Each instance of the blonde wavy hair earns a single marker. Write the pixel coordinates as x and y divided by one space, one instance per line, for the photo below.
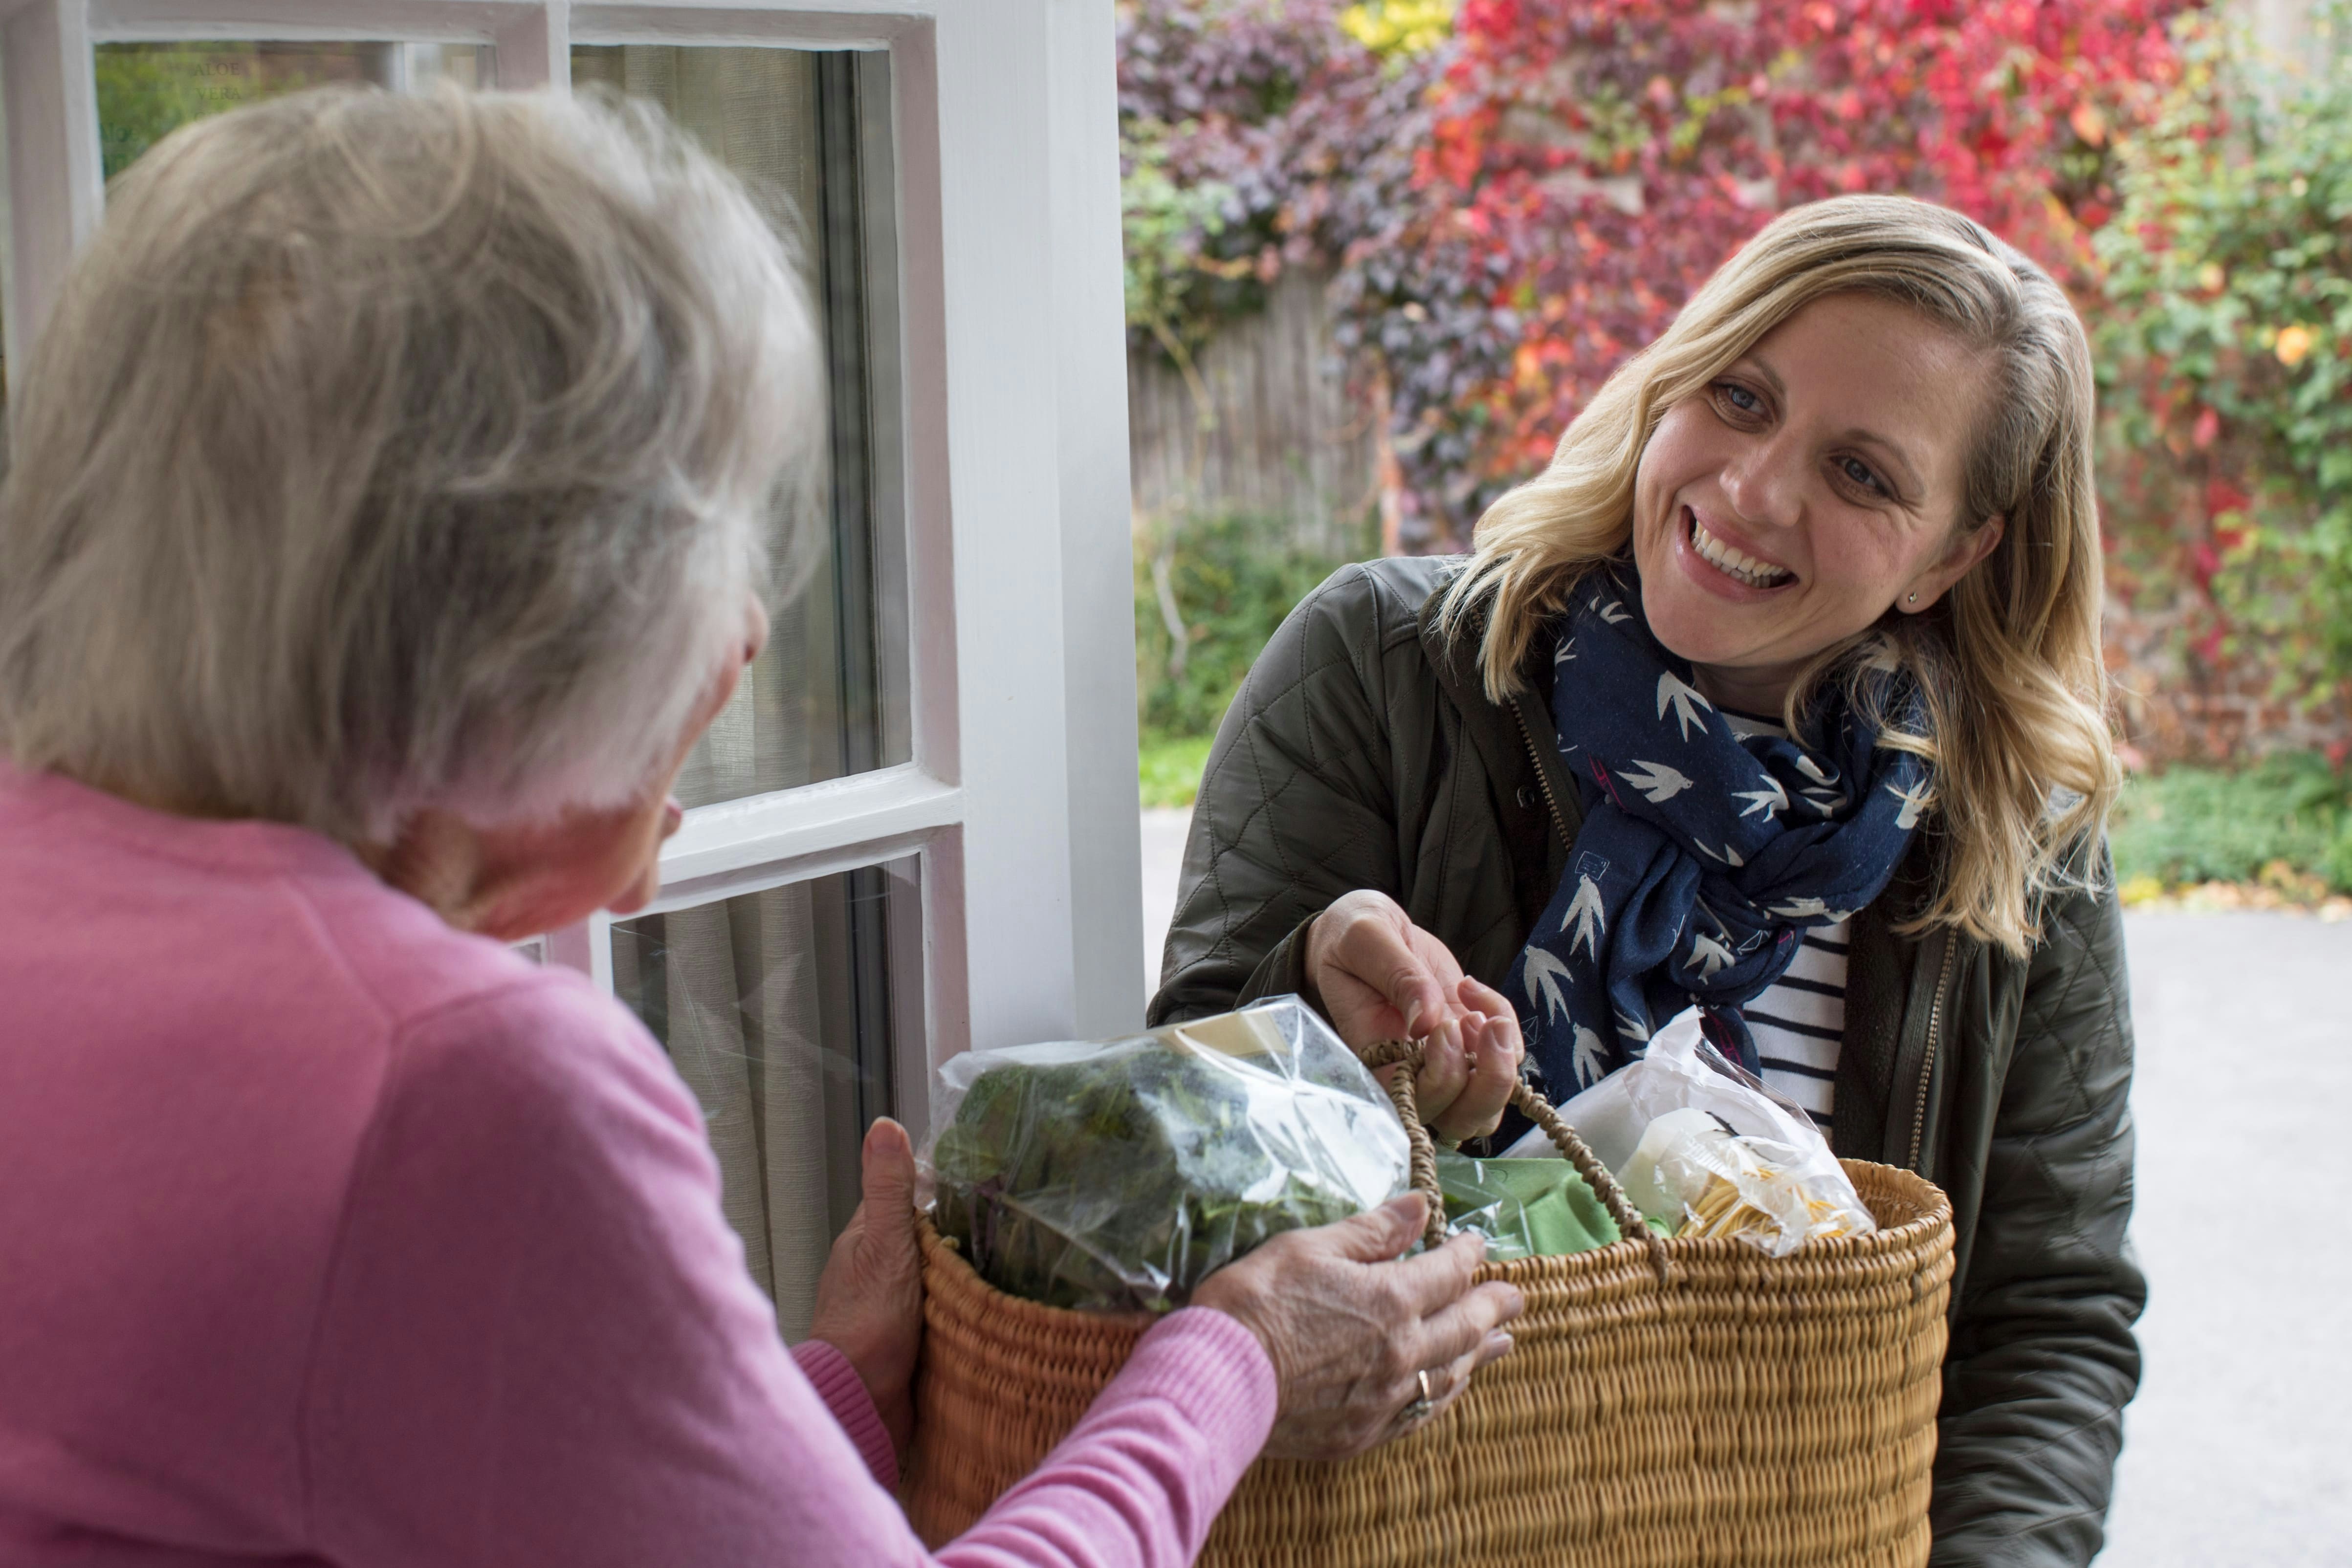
2008 663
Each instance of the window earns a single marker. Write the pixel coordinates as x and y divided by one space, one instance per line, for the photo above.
776 1006
145 90
915 828
828 697
793 1015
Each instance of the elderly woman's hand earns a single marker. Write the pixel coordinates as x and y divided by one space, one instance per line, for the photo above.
1350 1329
869 1300
1382 977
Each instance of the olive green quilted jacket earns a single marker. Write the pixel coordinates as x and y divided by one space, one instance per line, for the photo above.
1361 753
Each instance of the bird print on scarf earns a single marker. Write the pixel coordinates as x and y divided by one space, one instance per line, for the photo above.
1703 857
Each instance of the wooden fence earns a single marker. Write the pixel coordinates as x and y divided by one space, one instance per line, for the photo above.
1273 427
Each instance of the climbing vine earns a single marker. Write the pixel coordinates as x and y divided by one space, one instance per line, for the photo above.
1510 196
2225 346
1515 194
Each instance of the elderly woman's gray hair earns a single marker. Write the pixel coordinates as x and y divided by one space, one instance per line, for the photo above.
387 452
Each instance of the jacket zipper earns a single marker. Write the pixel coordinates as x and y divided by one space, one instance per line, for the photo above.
1927 1066
1543 783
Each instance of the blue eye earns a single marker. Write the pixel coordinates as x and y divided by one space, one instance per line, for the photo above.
1859 472
1739 397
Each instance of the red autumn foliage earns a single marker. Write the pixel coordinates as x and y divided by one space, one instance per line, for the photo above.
1590 162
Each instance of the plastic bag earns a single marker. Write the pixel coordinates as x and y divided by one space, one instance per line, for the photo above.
1709 1148
1525 1208
1116 1176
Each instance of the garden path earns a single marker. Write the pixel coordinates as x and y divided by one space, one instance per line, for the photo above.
2243 1093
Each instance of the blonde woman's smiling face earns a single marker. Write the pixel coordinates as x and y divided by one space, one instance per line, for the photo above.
1812 485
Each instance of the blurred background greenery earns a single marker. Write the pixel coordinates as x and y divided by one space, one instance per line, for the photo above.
1209 591
2279 830
2184 168
2281 826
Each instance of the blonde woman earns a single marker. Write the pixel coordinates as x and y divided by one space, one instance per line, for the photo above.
385 528
1778 695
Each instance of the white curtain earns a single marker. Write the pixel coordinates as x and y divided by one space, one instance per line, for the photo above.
732 987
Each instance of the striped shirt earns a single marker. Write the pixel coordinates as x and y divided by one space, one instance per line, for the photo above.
1800 1019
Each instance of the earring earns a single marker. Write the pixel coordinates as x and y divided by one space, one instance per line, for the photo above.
1913 599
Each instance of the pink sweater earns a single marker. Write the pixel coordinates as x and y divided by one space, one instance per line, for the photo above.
330 1235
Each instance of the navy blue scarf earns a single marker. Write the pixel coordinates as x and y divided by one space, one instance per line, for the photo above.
1702 858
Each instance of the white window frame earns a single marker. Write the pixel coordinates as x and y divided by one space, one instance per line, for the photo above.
1020 799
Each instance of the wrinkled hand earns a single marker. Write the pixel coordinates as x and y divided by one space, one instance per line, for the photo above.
869 1300
1383 977
1348 1326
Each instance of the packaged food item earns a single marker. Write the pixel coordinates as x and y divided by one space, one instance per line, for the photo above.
1708 1149
1688 1167
1525 1208
1668 1138
1117 1174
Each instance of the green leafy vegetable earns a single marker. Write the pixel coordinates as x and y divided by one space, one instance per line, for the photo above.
1120 1176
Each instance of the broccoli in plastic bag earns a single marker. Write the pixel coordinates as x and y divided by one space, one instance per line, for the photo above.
1116 1176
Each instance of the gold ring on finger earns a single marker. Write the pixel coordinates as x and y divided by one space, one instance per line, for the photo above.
1414 1414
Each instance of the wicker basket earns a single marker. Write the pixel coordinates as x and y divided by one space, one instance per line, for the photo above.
1670 1404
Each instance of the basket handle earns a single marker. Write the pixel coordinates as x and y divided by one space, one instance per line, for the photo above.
1407 1053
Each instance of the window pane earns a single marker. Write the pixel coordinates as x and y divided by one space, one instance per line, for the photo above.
783 1011
7 291
147 90
808 131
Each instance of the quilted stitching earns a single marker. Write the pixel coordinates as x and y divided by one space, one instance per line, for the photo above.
1326 677
1303 795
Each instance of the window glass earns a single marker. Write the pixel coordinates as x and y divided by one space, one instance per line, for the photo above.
808 132
7 292
147 90
786 1012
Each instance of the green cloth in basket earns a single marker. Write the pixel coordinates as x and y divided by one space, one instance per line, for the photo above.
1525 1207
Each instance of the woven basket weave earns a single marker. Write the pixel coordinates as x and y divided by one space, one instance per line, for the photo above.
1669 1404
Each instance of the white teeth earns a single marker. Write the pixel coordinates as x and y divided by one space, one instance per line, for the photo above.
1732 561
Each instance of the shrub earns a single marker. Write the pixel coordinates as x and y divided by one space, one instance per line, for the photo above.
1168 768
2200 825
2226 345
1227 582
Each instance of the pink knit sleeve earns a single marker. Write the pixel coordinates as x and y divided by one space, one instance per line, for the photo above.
1156 1457
1142 1476
843 1392
538 1343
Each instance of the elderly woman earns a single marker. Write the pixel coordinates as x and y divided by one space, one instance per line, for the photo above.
385 528
1778 694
